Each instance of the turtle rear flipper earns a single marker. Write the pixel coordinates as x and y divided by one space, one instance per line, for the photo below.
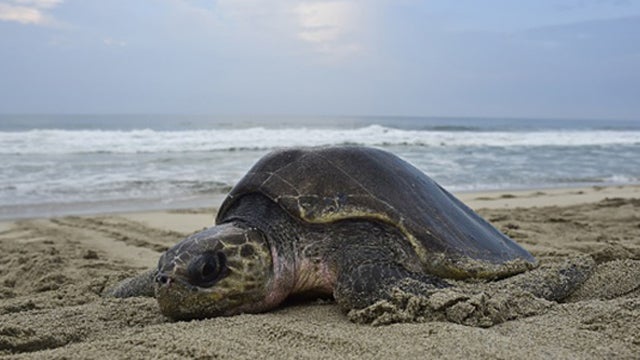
552 281
484 305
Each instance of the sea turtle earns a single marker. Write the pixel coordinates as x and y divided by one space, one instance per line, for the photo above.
350 222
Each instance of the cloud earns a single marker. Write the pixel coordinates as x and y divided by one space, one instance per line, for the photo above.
113 42
28 12
569 5
41 4
21 14
328 27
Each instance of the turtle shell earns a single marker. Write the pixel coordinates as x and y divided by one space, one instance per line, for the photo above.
324 185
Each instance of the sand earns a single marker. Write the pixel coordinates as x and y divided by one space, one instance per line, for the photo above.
52 272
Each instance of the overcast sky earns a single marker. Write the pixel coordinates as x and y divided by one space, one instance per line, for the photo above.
498 58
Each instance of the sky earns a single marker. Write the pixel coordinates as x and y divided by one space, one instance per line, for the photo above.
490 58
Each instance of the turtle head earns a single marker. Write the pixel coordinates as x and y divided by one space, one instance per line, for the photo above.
223 270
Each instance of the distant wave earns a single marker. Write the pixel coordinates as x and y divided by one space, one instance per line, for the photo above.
259 138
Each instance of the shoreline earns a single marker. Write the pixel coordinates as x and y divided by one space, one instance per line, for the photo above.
539 197
489 199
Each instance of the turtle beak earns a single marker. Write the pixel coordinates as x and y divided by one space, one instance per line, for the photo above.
165 282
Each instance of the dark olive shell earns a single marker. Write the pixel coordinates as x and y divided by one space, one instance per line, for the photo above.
323 185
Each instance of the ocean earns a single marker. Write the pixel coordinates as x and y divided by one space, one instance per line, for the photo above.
76 164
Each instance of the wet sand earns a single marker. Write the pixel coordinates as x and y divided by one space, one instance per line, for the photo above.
52 272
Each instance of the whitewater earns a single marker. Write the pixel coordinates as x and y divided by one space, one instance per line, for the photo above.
69 164
260 138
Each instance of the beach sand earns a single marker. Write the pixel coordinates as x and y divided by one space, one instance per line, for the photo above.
52 272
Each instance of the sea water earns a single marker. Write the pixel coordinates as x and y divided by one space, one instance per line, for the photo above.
61 164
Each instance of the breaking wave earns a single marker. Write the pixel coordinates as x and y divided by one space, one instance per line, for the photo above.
260 138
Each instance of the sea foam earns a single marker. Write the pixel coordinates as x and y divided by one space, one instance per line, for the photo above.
260 138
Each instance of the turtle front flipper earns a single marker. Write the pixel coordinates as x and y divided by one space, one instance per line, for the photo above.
140 285
371 271
366 284
474 304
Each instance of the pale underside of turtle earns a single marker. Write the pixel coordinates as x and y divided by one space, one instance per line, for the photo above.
361 225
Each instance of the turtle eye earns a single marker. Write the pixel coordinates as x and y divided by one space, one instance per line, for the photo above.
207 269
